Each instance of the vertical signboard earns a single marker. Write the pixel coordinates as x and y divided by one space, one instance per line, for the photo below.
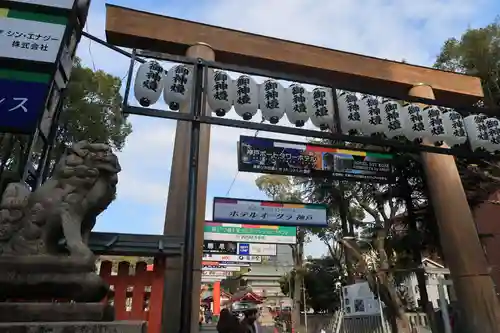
22 100
301 159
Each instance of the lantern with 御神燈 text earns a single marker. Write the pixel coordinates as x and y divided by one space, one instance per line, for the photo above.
493 129
415 129
433 121
322 111
148 83
372 121
297 104
220 93
272 100
454 128
391 113
477 132
246 97
178 86
349 112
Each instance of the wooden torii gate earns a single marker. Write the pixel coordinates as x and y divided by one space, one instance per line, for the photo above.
465 258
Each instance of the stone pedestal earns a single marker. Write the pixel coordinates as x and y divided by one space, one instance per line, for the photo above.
75 327
43 277
64 318
55 312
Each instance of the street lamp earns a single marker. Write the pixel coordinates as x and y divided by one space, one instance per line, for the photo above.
366 241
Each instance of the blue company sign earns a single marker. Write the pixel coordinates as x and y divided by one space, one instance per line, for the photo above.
243 248
21 105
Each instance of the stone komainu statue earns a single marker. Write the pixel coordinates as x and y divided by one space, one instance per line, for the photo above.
64 207
34 263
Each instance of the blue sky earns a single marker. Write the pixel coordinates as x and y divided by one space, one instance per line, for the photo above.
391 29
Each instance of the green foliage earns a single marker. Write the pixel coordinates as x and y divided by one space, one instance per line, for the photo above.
477 53
91 111
321 277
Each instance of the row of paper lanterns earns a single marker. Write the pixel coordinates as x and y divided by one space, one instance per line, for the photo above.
359 114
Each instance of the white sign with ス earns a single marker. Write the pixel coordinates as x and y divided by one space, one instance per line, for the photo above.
30 40
228 257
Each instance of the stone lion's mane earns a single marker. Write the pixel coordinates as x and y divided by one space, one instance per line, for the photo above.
24 214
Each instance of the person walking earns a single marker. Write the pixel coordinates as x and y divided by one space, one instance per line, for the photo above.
228 323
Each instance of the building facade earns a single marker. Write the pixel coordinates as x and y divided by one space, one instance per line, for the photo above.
487 217
264 277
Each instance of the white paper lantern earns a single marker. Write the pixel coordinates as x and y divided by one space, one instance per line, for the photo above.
221 92
246 97
477 131
433 120
178 86
322 111
493 129
297 104
415 128
349 107
272 100
393 118
372 120
149 83
454 127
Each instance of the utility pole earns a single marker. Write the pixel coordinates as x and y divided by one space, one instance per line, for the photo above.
459 240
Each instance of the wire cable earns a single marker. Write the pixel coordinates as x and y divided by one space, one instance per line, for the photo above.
238 172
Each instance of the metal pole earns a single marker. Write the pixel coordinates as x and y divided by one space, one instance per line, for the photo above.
305 304
190 233
444 307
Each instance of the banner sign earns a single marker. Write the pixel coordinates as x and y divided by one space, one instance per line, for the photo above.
22 101
220 247
25 35
222 257
257 249
301 159
247 211
221 268
215 273
250 233
225 263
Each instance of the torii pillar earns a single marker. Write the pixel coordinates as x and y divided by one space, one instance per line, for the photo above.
175 216
469 269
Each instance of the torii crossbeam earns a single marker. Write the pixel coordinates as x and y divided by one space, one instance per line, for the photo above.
136 29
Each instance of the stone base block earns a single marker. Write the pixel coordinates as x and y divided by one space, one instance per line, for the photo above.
55 312
76 327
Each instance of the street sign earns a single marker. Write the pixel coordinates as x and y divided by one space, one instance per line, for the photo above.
244 248
231 210
257 249
234 258
302 159
215 273
225 263
219 247
28 37
221 268
250 233
21 103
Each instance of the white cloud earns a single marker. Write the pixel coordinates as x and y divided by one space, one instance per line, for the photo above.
392 29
